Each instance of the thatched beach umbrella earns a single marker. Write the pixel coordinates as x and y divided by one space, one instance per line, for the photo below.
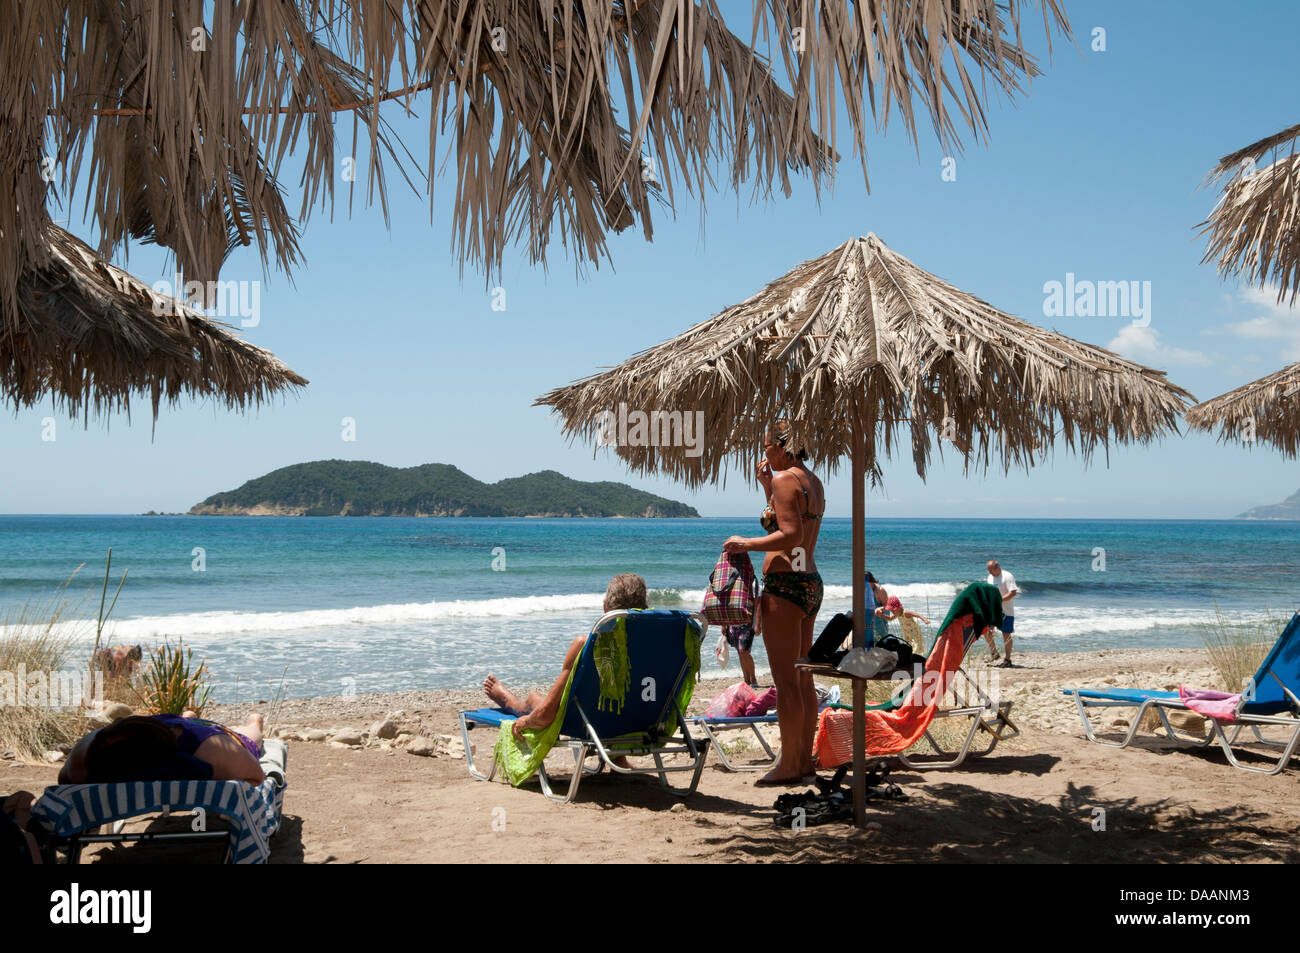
1255 233
1266 410
1254 230
563 119
89 336
853 347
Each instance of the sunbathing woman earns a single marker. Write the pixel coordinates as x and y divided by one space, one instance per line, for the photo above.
536 711
167 747
792 594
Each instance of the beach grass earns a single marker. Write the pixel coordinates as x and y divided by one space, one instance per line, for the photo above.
1236 649
43 636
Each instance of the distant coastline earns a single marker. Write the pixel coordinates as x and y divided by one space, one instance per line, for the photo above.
359 489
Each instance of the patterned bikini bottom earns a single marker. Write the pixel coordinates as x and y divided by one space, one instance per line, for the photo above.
804 589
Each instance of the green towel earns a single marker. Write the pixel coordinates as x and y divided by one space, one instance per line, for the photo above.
979 599
519 762
610 655
694 637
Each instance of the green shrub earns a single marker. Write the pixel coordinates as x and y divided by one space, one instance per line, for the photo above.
171 682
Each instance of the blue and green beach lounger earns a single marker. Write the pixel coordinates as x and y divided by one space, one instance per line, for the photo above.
70 814
1271 698
626 697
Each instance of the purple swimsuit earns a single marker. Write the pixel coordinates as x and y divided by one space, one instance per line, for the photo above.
195 731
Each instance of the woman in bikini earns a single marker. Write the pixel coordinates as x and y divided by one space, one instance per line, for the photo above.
792 594
184 747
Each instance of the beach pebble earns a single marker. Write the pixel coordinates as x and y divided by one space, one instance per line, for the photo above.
8 756
54 757
424 747
313 734
117 711
875 826
677 808
347 736
98 719
384 729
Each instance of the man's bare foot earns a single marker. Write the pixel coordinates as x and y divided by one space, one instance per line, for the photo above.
496 691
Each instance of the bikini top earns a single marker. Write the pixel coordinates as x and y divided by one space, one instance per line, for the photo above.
767 519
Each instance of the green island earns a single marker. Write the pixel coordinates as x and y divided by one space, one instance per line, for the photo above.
1288 509
357 488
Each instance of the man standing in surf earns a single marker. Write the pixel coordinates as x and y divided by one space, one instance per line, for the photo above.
1006 584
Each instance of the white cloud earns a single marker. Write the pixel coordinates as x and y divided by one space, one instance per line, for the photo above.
1278 322
1142 344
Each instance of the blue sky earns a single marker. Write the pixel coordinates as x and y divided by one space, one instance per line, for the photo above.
1095 173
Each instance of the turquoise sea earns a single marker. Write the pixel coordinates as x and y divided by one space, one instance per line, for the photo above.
330 605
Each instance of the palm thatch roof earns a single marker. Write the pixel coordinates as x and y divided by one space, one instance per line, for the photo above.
89 336
1254 230
1266 410
861 343
186 110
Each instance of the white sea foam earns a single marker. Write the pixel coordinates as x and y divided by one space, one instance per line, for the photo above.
365 624
188 625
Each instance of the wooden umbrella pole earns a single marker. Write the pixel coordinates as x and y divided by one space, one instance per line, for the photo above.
859 451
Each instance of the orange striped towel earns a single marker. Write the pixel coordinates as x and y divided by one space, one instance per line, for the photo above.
889 732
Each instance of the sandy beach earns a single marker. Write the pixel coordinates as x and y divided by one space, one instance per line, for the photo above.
1034 799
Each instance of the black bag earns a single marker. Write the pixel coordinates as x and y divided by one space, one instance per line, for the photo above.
827 647
900 647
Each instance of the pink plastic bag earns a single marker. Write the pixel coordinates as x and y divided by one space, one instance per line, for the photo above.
732 702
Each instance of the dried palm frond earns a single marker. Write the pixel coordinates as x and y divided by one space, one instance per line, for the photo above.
861 342
1266 410
188 109
89 336
1254 230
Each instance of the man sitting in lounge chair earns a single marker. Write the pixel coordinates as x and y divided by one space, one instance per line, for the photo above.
536 711
167 747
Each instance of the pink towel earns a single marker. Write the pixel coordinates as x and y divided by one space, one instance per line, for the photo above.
1205 701
762 704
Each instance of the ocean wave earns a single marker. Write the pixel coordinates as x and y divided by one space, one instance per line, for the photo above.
235 623
1068 621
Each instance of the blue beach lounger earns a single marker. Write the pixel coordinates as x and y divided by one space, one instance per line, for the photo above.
1273 699
70 814
651 721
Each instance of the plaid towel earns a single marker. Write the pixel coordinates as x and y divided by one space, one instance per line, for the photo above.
253 812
